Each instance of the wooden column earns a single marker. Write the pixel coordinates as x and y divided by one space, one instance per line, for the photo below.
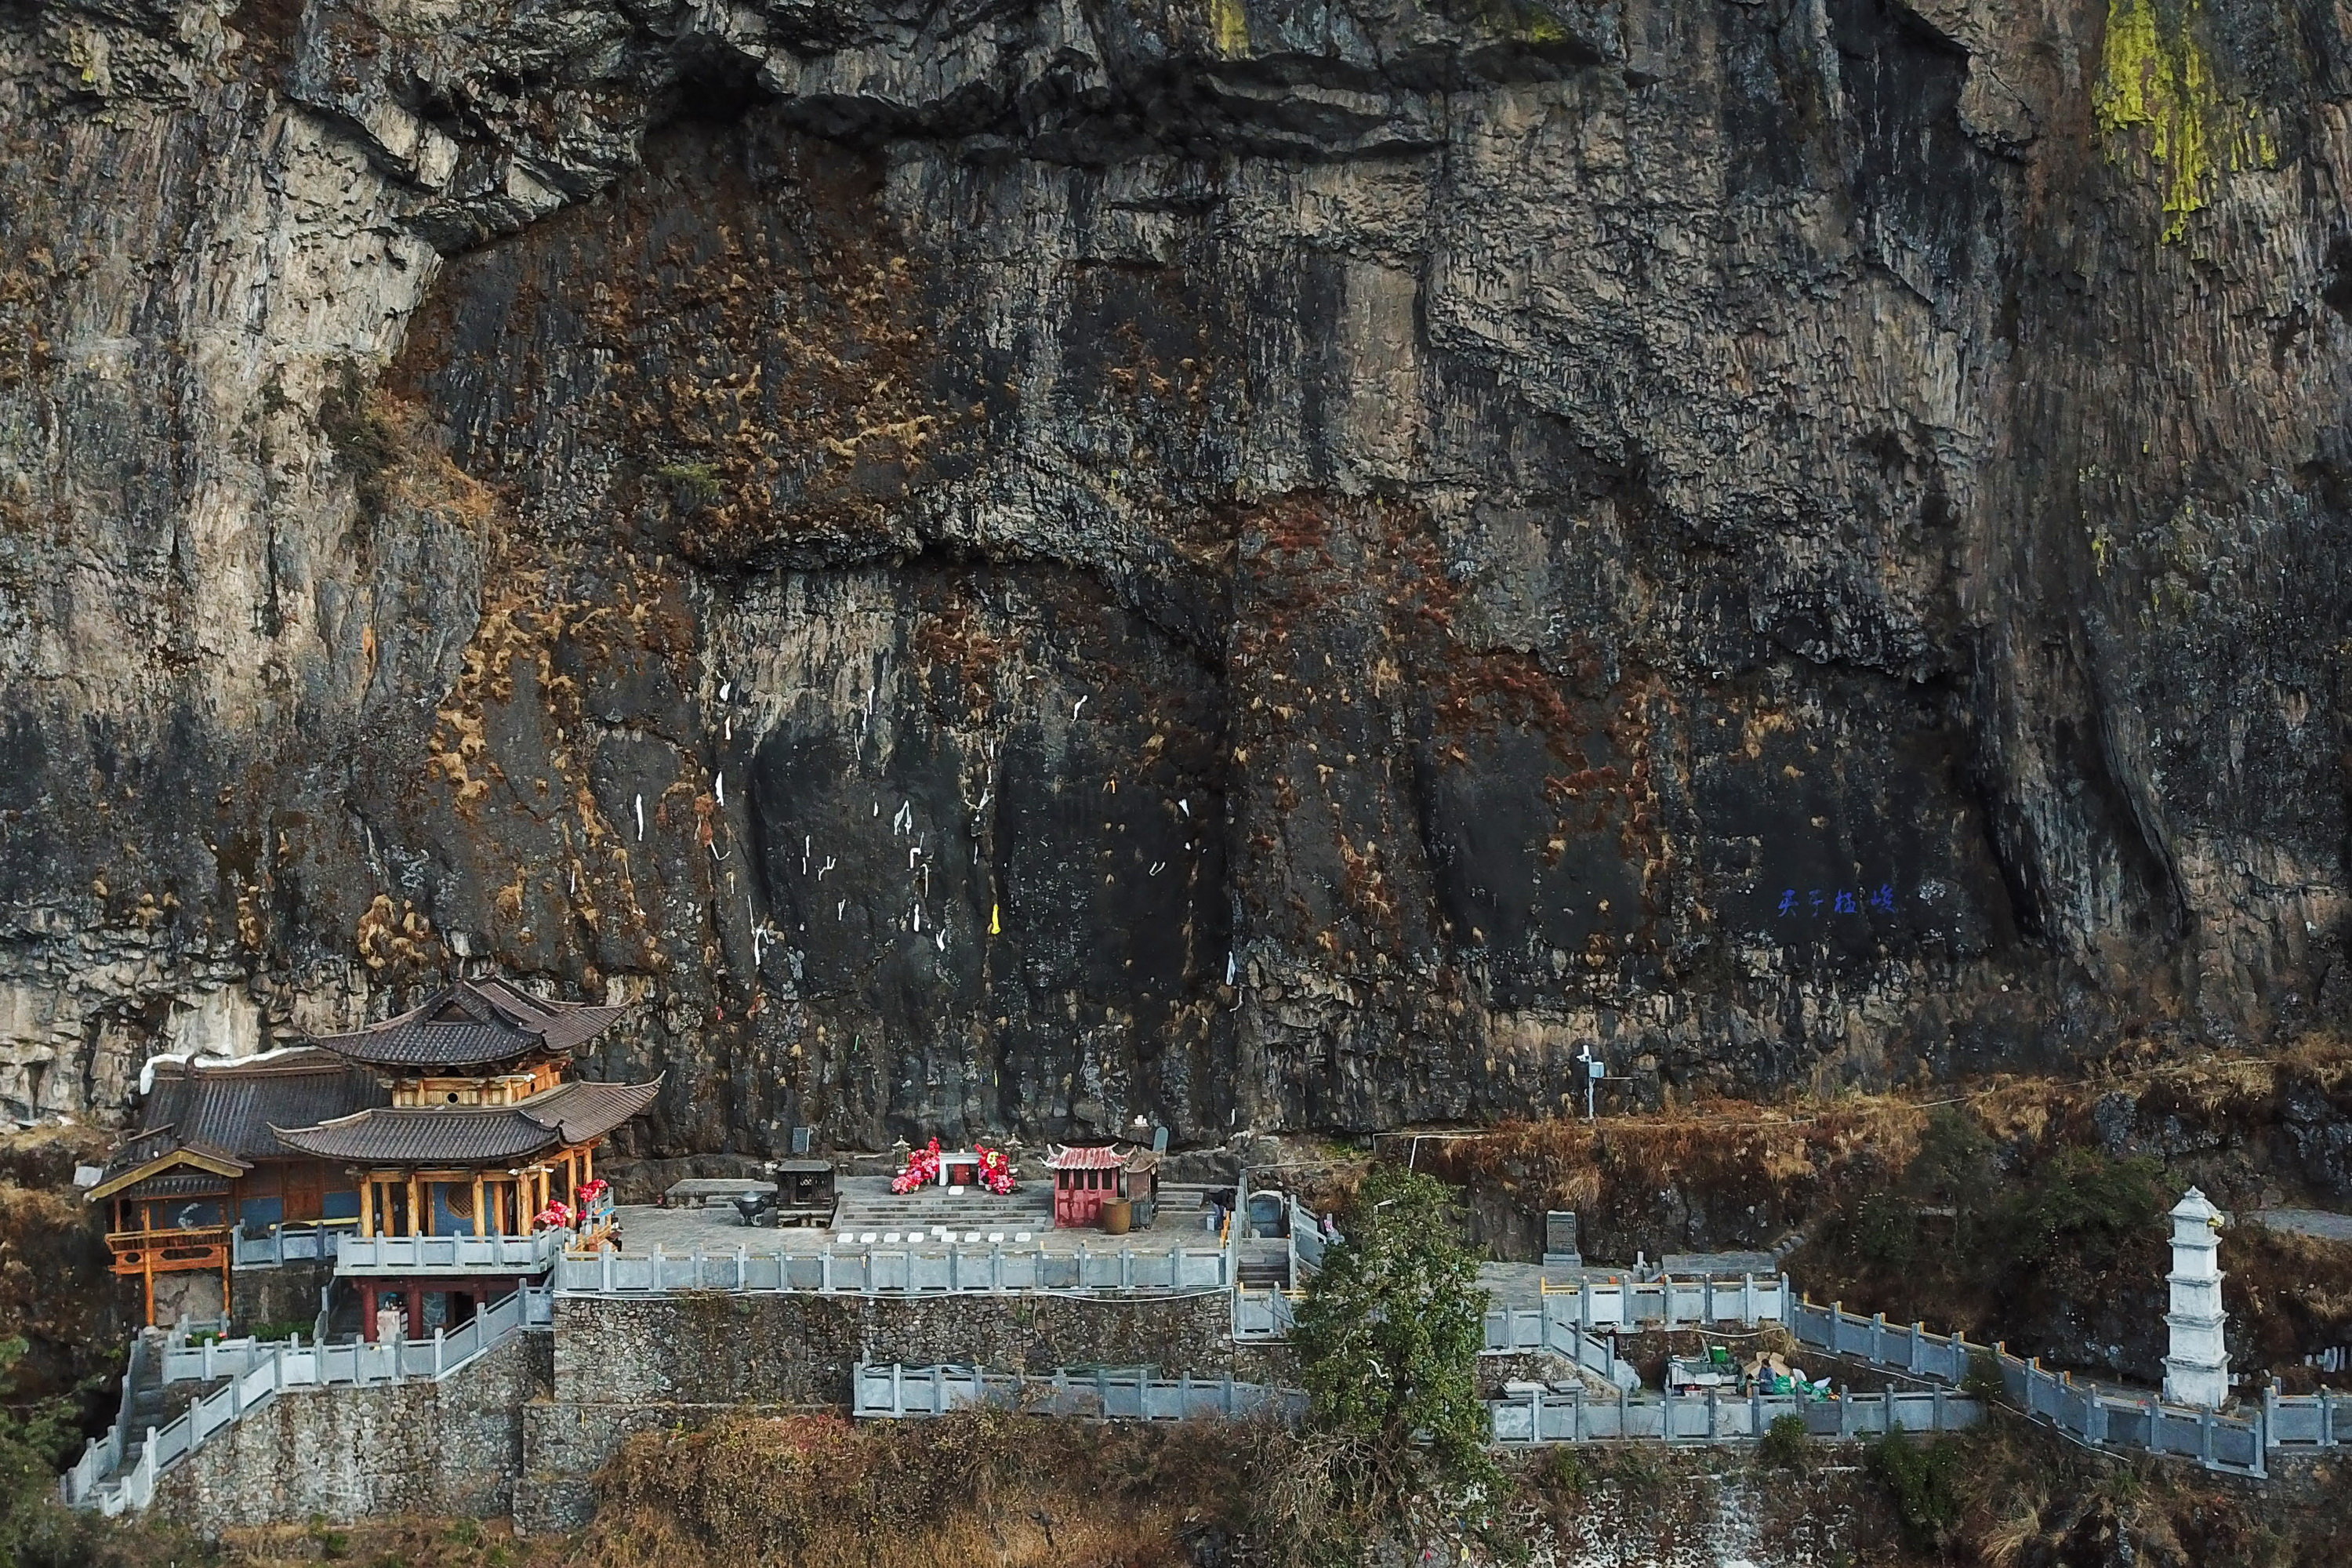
419 1222
481 1215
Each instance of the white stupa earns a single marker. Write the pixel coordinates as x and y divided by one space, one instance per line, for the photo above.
2197 1372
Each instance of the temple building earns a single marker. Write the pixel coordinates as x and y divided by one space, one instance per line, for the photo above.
448 1154
206 1162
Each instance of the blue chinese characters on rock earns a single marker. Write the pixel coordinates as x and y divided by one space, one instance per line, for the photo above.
1816 903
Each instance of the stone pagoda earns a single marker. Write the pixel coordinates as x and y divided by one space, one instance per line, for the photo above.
2197 1372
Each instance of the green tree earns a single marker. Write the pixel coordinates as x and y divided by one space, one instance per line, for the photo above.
1388 1340
1955 1163
36 1437
2085 1208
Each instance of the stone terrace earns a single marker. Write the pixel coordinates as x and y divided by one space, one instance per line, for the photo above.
868 1207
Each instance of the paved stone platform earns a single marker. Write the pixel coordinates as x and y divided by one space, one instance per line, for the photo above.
867 1206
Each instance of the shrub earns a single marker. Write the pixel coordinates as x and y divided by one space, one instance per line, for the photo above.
1919 1478
285 1327
691 486
1885 1232
1954 1163
37 1437
1387 1341
1984 1380
2084 1207
363 441
1389 1335
333 1544
1785 1444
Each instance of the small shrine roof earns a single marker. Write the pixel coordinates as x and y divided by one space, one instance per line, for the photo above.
474 1024
179 1183
158 1154
1092 1157
2193 1205
566 1115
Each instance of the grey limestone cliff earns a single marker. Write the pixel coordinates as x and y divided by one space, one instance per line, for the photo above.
1019 565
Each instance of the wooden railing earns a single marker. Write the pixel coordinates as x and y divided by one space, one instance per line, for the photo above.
205 1247
597 1225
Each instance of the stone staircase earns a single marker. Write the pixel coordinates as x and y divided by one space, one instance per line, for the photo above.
148 1404
182 1393
1263 1265
930 1207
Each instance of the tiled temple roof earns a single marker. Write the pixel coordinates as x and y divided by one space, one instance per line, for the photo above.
1093 1158
231 1107
569 1114
218 1116
474 1024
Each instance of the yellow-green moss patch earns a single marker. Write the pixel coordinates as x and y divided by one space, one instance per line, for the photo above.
2157 75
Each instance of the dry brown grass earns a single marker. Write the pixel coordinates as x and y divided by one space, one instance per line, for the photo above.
1797 1156
992 1488
1785 1162
988 1486
1039 1493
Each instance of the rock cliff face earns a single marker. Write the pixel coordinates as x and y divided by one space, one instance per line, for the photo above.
1027 564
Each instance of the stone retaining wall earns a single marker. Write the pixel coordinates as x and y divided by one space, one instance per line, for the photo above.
284 1293
449 1447
526 1428
799 1349
625 1366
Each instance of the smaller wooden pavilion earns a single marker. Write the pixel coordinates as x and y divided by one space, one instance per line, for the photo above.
1089 1177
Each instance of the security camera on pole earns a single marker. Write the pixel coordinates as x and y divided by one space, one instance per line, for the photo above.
1594 1068
2197 1372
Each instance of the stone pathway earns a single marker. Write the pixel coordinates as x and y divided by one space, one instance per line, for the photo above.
2306 1222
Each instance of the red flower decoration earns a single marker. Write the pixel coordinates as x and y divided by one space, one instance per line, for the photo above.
922 1167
